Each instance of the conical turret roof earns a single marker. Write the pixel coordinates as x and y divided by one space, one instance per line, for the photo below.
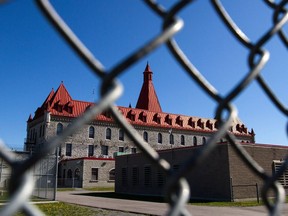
148 99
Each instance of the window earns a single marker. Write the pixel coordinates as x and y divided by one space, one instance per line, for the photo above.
135 176
108 133
69 174
133 150
147 176
203 140
59 128
124 176
68 149
171 139
145 136
283 179
121 149
64 173
182 140
112 175
90 150
160 178
121 134
91 132
94 174
104 150
160 138
77 174
194 141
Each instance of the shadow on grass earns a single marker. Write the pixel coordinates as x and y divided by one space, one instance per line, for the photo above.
114 195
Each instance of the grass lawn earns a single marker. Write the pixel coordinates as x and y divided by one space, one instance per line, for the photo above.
64 209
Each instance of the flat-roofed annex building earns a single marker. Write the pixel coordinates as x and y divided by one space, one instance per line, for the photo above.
222 176
98 142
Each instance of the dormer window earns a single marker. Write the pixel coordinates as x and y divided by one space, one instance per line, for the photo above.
209 125
157 118
191 122
69 107
200 124
107 114
131 115
168 119
179 121
143 116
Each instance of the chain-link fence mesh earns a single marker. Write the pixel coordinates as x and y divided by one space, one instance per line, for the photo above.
22 185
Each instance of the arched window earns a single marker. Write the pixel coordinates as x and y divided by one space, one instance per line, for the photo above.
77 174
69 173
203 140
91 132
171 139
182 140
145 136
121 134
160 138
194 141
108 133
112 175
59 128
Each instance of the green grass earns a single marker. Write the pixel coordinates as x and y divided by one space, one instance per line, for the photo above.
229 204
64 209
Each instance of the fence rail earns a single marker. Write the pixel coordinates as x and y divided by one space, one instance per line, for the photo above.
21 182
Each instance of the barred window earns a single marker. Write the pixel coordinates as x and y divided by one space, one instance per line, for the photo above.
124 176
147 176
94 174
283 179
161 180
135 176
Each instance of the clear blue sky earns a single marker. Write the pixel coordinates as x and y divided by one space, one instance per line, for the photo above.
34 59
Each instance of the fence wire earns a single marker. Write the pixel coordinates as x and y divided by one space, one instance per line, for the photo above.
21 186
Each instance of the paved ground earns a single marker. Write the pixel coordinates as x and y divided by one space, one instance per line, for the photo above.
154 208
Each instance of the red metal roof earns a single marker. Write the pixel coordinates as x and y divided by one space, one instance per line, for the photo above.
148 99
60 103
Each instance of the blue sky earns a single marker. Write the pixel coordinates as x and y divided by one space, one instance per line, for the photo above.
34 59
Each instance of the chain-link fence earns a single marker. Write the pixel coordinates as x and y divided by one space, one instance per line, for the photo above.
21 186
43 172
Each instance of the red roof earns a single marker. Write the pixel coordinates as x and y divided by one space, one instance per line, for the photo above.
148 99
147 112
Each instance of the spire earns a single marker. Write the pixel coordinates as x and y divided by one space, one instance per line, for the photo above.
148 99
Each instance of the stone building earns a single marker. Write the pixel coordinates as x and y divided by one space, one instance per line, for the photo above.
223 176
98 142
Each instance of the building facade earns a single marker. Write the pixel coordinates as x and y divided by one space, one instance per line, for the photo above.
223 176
102 139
